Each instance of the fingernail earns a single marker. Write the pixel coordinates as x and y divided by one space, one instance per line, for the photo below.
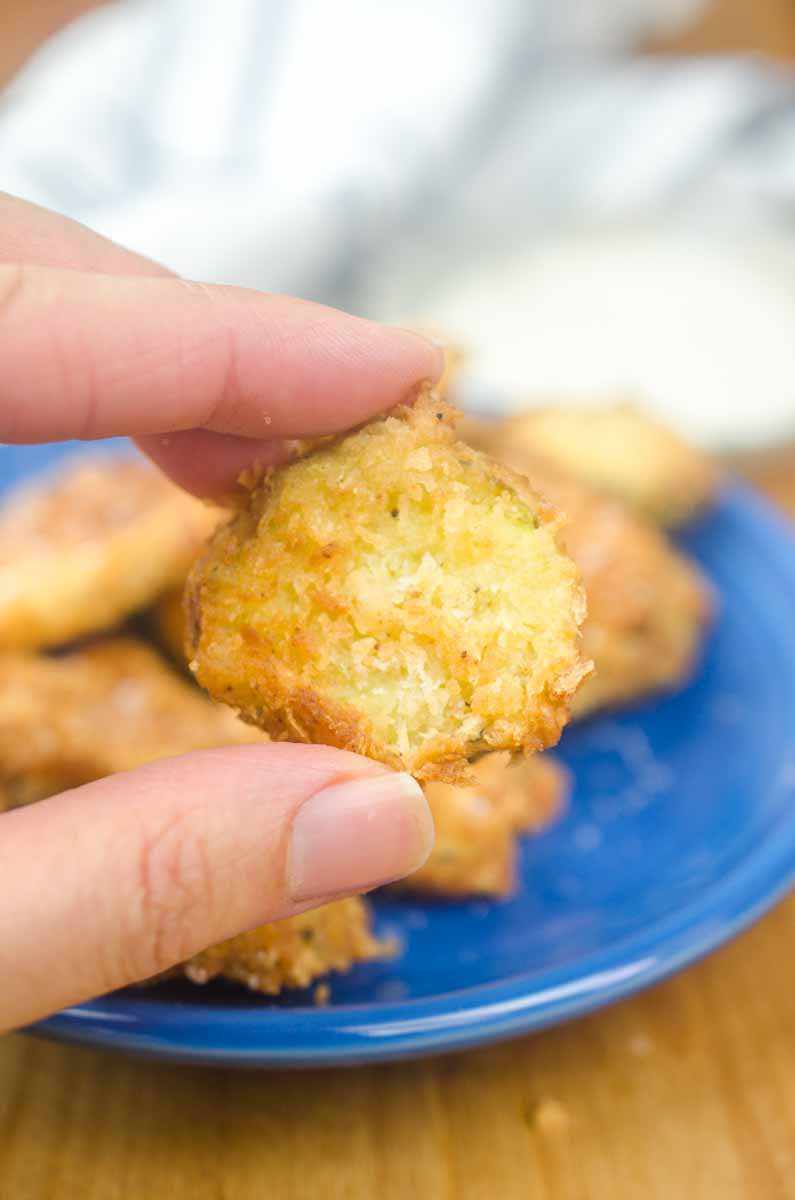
357 835
437 348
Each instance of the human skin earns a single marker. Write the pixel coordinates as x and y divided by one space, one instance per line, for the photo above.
120 879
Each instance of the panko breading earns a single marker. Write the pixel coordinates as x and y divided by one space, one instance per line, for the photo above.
292 953
393 593
108 707
618 449
536 793
648 604
476 826
84 548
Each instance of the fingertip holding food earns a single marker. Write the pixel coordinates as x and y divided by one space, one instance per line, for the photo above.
208 464
357 835
432 355
395 593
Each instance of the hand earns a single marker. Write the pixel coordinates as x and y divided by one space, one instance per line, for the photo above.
113 882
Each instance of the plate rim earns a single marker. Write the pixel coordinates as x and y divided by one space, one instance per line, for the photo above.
484 1013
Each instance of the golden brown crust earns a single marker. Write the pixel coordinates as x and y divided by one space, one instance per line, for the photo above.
539 793
476 826
648 604
394 593
292 953
618 449
109 707
81 550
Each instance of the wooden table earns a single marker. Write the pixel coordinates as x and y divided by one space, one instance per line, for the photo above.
686 1092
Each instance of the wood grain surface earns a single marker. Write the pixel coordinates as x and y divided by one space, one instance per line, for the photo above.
686 1092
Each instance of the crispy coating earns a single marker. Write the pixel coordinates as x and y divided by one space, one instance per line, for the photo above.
394 593
536 793
108 707
476 826
295 952
82 549
620 450
649 606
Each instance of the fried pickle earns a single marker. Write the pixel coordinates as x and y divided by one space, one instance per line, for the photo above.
620 450
81 550
292 953
649 606
477 826
108 707
650 609
394 593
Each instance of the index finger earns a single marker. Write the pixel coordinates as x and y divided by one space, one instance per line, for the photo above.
37 236
93 356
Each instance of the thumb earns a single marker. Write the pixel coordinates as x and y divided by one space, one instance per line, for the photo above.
118 880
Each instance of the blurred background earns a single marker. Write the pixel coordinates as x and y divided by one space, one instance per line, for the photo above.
589 197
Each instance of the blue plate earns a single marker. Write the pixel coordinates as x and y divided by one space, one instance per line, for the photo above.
681 831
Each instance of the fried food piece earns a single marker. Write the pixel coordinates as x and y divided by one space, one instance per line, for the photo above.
109 707
393 593
82 549
648 604
620 450
294 952
537 792
476 826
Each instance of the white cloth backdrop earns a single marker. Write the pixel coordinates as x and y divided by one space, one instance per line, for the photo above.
582 219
